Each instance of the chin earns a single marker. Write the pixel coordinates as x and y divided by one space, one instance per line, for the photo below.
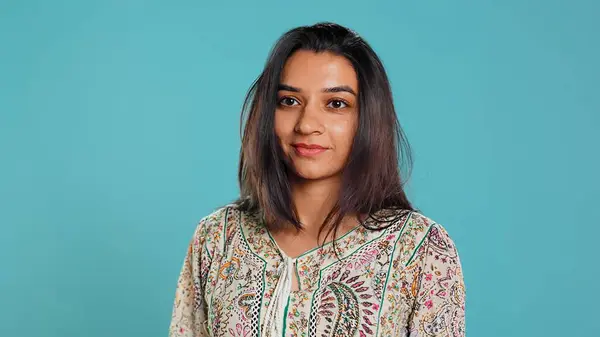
310 176
312 173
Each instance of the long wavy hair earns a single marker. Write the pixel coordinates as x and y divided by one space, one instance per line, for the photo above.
371 178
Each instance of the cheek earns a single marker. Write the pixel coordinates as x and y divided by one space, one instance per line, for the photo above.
343 133
280 125
284 126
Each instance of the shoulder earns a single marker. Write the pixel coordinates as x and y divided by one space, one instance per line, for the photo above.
212 229
420 235
219 227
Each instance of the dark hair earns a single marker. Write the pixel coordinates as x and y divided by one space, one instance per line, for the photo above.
371 178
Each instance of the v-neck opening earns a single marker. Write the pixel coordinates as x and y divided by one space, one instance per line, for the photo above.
295 259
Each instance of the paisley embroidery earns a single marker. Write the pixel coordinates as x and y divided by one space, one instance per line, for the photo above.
402 279
245 302
343 321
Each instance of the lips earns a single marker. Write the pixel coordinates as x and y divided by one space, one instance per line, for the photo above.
308 149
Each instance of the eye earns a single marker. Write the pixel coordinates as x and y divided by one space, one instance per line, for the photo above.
337 104
288 101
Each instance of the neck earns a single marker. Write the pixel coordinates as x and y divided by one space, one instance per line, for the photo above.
313 200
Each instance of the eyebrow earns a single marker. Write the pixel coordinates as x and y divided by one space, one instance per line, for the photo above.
341 88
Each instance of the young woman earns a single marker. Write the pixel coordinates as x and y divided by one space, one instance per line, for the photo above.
323 240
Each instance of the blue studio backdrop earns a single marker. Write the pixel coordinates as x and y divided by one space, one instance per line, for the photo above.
119 130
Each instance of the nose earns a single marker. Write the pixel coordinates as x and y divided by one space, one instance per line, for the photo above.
309 120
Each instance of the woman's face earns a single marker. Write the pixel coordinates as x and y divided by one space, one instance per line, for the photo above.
317 113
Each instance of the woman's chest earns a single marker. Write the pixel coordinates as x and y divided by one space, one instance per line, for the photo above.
365 293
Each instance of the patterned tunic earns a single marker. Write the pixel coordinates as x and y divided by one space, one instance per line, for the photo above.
404 279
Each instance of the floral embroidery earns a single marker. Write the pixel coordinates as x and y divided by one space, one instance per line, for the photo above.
404 279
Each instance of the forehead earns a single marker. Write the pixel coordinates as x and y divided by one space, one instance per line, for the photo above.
309 70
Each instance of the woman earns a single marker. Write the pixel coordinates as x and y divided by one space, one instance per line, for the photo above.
323 240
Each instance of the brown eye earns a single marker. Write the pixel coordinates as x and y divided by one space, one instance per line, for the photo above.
288 101
337 104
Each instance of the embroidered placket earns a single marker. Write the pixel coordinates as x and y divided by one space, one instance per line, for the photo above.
275 313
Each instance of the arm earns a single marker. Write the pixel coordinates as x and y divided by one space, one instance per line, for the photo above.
188 316
439 307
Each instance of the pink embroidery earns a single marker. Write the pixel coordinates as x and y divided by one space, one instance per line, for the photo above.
367 259
240 331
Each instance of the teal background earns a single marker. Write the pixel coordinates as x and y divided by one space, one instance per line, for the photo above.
119 131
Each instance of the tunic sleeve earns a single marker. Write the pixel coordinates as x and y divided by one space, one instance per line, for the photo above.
189 314
439 307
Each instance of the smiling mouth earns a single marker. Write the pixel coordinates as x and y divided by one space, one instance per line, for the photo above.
308 149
